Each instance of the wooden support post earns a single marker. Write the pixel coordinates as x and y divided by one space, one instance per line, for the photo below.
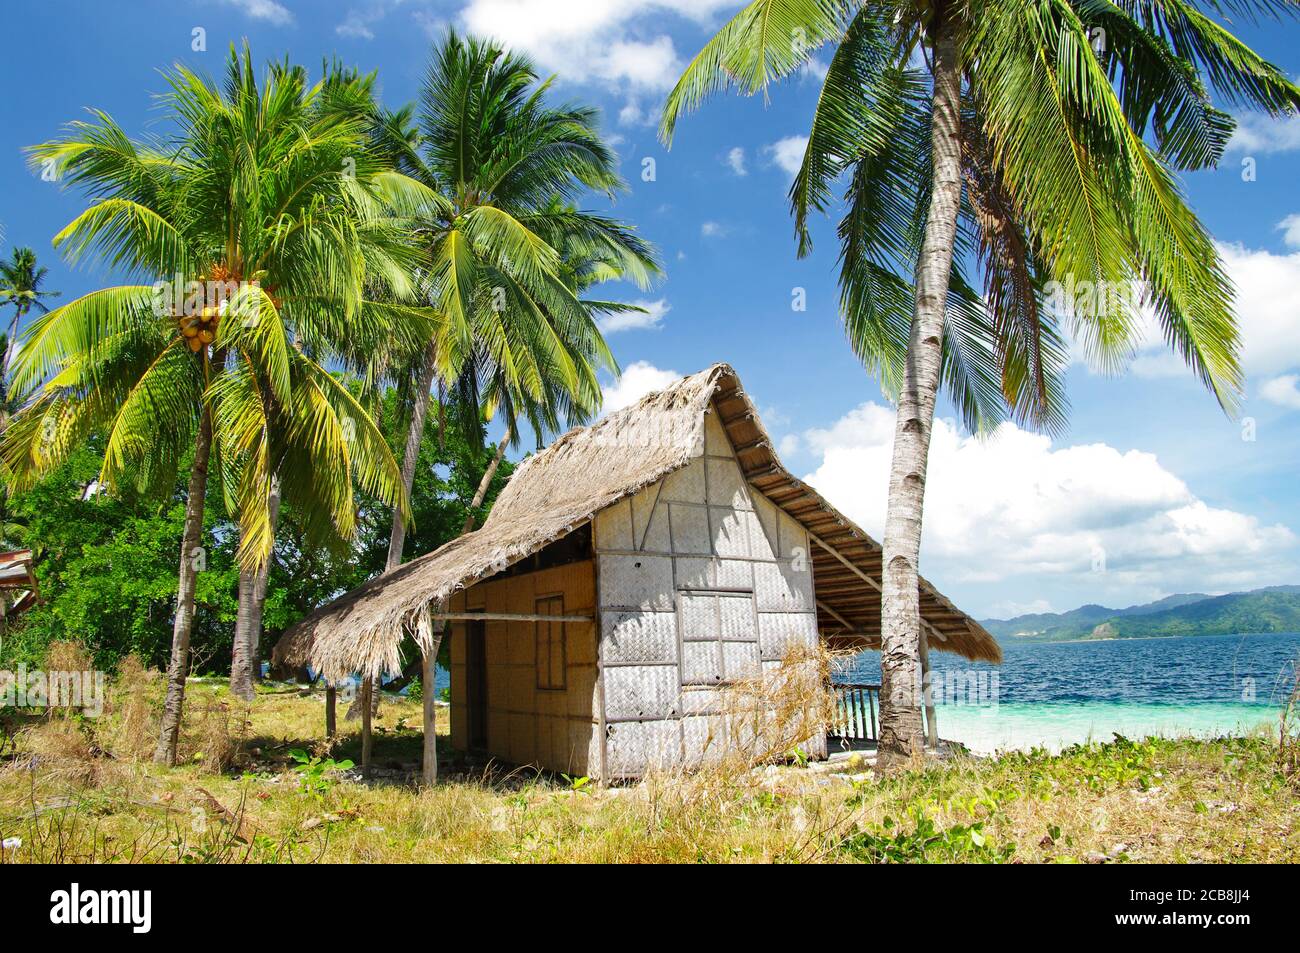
429 769
331 712
931 725
367 739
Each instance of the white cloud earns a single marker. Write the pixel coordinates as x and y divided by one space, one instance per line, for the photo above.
1013 506
736 159
787 153
814 70
356 25
617 42
267 10
1257 133
1284 391
1268 309
651 319
713 229
637 380
1290 229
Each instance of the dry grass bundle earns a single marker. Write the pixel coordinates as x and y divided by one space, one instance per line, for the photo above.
780 713
214 743
65 662
132 727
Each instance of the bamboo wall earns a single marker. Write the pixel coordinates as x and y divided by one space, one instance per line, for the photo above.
701 580
527 724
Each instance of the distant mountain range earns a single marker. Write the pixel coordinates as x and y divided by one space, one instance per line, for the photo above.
1275 609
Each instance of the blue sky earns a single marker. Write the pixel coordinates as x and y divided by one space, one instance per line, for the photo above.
1153 490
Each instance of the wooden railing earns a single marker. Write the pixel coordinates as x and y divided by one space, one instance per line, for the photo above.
855 711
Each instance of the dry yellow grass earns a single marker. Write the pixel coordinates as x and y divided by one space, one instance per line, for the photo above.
76 790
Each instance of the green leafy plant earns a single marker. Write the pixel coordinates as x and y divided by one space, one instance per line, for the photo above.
925 843
315 773
577 783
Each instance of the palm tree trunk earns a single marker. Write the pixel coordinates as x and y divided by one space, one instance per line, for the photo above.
245 663
419 410
241 673
481 493
178 668
900 609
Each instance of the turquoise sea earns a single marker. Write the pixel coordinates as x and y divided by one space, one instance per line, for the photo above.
1057 694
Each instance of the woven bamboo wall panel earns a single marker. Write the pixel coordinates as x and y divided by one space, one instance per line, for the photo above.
766 542
736 616
696 572
636 582
716 443
656 538
740 659
643 507
730 530
778 631
614 527
642 691
699 616
726 485
794 538
685 485
689 529
701 663
634 748
779 586
700 701
638 637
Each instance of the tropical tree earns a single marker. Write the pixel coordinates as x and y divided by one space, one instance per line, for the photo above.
20 286
257 218
499 167
1035 141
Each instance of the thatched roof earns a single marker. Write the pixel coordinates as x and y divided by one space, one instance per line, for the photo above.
584 471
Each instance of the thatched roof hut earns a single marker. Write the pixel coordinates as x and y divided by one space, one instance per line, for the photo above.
626 576
582 473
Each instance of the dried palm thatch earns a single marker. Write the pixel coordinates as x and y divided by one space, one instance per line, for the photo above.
563 487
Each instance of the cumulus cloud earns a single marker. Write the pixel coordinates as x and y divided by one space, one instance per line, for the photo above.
649 319
1014 507
1290 229
736 159
638 379
712 229
1258 134
1284 391
620 43
787 153
267 10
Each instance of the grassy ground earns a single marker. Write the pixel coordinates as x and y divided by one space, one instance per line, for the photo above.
83 790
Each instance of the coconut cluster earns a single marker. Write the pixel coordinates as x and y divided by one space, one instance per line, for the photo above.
200 329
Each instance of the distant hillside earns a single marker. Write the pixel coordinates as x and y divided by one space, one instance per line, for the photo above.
1275 609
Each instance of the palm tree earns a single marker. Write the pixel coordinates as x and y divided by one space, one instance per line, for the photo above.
498 165
20 286
262 207
992 133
